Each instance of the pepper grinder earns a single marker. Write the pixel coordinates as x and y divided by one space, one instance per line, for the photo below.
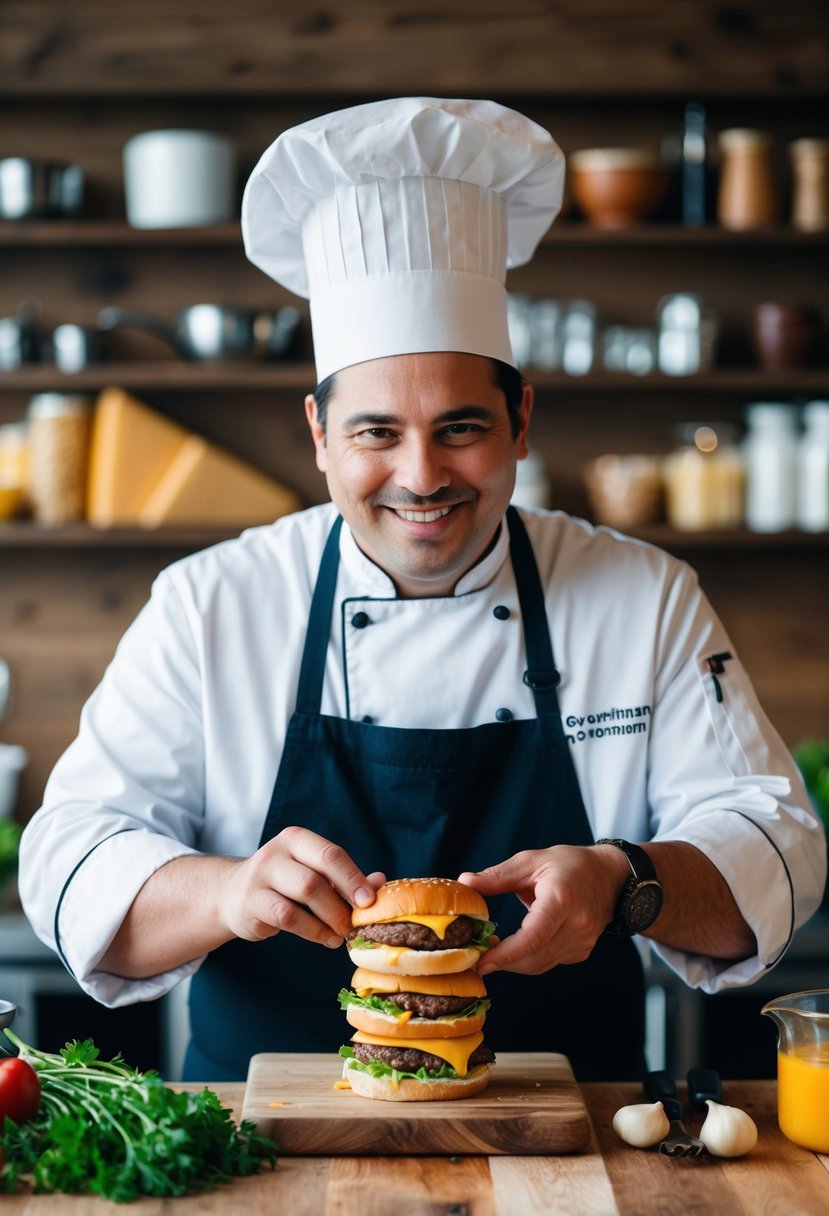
810 199
694 167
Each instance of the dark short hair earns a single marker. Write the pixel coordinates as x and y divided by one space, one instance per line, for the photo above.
507 379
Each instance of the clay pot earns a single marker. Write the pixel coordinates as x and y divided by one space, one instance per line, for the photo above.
616 187
784 334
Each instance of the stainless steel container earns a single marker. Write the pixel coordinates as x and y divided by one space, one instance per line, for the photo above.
39 189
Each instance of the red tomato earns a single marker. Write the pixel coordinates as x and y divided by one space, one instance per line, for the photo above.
19 1090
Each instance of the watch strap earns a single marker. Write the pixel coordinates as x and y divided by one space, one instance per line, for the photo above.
630 915
640 864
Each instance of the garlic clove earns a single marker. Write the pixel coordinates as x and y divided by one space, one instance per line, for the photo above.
727 1131
642 1125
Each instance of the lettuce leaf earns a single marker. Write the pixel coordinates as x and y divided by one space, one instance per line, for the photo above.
482 931
376 1068
377 1003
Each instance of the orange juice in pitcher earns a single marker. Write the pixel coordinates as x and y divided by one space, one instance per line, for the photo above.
802 1020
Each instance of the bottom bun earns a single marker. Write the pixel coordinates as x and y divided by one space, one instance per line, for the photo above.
409 1089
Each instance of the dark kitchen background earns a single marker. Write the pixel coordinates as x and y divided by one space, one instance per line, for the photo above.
79 80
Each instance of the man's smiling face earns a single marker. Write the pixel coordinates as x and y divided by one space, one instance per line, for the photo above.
419 456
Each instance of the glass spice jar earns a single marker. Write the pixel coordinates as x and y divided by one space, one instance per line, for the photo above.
59 431
705 479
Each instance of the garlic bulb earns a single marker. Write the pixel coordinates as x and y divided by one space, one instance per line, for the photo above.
642 1125
727 1131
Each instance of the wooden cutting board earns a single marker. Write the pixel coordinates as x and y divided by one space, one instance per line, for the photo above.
531 1106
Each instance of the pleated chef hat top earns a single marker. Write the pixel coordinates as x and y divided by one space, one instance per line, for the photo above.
399 219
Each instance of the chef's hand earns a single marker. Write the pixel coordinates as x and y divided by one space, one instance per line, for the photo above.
570 894
298 882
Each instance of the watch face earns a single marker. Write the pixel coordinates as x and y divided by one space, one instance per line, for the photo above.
644 906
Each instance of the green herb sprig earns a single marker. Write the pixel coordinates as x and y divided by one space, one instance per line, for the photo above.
105 1128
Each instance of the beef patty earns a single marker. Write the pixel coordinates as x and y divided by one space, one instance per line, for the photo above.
409 1059
429 1006
417 937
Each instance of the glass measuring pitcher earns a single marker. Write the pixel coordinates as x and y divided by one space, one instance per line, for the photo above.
802 1020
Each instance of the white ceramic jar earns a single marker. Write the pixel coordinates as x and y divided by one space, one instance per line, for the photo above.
813 469
770 450
179 179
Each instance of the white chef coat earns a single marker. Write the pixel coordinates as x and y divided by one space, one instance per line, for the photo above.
179 745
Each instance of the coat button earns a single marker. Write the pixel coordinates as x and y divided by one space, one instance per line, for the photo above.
501 612
503 715
360 620
367 719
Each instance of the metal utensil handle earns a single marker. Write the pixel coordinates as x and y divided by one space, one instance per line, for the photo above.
661 1087
704 1084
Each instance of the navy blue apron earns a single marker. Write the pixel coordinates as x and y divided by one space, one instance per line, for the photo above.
418 803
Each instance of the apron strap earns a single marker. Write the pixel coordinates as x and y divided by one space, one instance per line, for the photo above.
312 671
541 675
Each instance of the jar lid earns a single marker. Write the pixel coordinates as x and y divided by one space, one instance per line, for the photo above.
771 413
707 436
591 159
54 405
809 146
816 411
743 137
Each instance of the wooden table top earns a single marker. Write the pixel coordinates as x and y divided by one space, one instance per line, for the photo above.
609 1179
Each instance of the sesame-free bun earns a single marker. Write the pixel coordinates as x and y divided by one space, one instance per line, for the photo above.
397 960
372 1021
424 897
408 1089
464 983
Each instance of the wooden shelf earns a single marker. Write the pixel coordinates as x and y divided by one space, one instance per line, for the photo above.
252 375
670 538
165 374
117 232
92 232
25 534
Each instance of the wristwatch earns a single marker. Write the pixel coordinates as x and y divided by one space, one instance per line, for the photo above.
641 900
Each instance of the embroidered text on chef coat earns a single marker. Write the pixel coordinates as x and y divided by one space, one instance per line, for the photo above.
608 723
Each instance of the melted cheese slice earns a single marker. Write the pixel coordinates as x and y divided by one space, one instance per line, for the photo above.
455 1052
438 924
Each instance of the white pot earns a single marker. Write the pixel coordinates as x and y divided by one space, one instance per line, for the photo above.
179 179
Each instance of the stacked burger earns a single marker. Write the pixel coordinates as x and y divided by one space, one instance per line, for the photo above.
416 1002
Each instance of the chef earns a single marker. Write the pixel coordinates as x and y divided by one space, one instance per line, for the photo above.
417 678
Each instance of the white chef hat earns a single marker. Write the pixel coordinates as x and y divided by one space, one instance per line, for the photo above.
399 219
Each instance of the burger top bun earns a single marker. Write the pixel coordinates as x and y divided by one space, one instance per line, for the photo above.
464 983
423 897
397 960
408 1089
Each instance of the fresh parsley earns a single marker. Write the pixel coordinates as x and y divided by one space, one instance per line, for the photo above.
105 1128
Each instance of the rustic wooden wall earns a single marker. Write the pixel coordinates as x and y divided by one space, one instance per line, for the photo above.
76 79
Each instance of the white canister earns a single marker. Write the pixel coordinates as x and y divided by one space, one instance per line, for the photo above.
770 449
813 469
13 760
179 179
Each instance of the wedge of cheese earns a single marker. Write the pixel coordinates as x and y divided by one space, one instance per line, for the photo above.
132 447
206 485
